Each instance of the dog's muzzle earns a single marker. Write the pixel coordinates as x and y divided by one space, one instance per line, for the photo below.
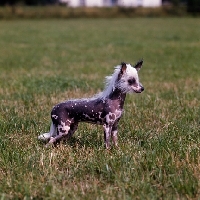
139 89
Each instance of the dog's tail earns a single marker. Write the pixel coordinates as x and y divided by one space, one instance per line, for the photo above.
47 136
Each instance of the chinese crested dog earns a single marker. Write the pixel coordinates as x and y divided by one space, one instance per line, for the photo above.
104 109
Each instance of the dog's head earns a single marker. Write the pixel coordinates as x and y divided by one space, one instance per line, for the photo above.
128 79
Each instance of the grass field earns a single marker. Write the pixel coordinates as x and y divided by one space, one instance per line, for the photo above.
44 62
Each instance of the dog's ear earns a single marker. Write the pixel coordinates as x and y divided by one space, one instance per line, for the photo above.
123 67
138 65
122 70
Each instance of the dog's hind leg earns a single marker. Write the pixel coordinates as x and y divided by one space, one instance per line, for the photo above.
73 128
61 134
65 130
47 136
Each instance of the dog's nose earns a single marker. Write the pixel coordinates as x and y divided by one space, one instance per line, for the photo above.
142 89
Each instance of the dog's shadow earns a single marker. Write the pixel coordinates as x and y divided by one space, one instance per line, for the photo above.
83 142
75 142
78 142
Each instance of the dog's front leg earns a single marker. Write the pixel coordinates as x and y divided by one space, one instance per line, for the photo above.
107 133
114 133
115 138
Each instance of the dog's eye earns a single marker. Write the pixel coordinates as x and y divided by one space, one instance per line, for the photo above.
131 81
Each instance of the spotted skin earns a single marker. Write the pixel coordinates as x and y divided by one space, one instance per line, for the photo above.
105 109
66 116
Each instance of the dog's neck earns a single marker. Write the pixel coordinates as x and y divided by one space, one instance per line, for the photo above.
118 98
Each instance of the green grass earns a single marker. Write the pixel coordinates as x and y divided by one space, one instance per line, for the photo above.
44 62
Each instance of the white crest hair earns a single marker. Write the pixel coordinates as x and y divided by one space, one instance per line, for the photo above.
111 81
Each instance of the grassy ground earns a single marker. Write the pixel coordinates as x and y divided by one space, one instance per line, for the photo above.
45 62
